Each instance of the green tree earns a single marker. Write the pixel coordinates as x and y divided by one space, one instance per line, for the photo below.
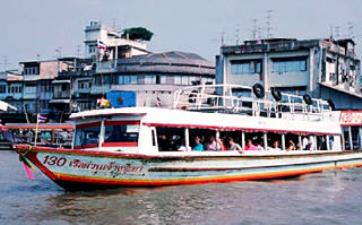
137 33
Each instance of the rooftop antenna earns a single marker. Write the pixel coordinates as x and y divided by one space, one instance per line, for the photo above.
237 34
254 31
78 50
268 23
114 24
258 33
222 39
59 52
331 35
336 31
5 61
350 30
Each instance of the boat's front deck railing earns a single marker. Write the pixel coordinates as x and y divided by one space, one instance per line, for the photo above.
221 98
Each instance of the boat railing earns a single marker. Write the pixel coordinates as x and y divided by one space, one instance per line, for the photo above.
222 98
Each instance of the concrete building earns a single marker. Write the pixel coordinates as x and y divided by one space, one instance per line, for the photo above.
113 67
123 68
127 66
323 68
116 46
72 87
153 77
37 84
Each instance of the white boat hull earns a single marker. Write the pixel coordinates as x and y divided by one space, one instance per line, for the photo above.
80 169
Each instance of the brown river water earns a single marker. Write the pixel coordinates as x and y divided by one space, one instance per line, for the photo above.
331 197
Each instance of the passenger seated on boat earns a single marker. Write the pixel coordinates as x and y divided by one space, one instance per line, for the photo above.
212 144
299 147
259 146
291 145
234 146
183 147
276 145
163 143
220 144
198 146
250 146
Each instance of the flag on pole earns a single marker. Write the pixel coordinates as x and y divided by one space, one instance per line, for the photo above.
41 119
101 45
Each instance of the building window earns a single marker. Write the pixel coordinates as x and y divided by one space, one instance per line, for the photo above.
2 89
15 89
83 85
126 79
150 80
141 79
133 80
92 48
185 80
177 80
245 67
31 70
294 65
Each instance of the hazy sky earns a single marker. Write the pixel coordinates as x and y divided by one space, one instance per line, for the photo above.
32 27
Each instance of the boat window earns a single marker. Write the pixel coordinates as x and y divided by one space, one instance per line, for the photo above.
254 141
322 142
87 135
205 140
225 137
121 132
308 142
274 141
170 139
331 142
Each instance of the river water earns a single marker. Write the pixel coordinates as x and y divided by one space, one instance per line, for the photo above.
332 197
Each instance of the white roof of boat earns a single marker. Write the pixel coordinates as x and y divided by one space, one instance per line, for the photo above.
113 111
182 118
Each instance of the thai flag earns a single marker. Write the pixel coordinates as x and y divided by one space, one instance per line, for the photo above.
101 45
41 119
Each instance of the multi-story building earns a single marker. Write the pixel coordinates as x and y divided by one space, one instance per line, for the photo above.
72 87
113 66
37 84
153 77
116 46
323 68
127 67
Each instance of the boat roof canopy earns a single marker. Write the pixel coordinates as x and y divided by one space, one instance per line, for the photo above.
134 111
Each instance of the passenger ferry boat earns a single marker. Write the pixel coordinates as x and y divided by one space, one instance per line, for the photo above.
241 134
